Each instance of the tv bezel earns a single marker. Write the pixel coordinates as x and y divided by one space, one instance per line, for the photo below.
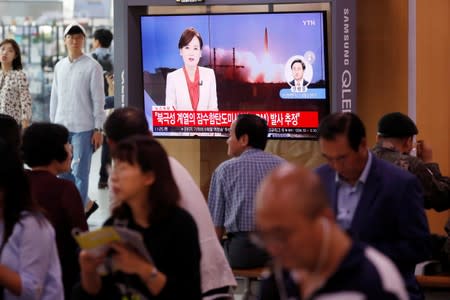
326 67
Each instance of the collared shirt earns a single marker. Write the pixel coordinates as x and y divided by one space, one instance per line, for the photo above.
233 188
348 196
299 83
31 252
77 97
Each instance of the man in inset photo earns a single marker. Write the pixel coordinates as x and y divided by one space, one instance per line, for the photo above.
298 84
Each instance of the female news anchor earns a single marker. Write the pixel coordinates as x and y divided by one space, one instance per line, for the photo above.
15 99
191 87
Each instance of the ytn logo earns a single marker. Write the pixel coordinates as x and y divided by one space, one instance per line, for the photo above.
309 22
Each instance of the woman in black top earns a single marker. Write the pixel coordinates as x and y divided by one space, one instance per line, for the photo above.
142 183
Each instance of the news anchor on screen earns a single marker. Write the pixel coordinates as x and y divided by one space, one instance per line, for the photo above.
191 87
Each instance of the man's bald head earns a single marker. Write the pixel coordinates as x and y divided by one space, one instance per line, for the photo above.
293 187
291 212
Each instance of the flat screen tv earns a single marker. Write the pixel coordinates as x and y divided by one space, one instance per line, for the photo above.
270 64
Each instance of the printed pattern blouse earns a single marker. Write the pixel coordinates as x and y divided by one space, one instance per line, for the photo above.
15 99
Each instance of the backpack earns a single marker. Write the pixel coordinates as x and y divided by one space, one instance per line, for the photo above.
106 63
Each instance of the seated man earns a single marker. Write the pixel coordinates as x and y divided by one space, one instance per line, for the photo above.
396 132
374 201
395 136
313 257
233 188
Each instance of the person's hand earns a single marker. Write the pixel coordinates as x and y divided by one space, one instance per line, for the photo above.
90 261
97 139
424 151
110 80
25 124
127 260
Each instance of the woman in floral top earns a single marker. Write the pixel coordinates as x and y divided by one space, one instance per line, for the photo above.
15 99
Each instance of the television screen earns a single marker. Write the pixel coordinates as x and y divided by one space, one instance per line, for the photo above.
201 71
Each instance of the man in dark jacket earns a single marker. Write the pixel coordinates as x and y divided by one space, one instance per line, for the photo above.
374 201
395 143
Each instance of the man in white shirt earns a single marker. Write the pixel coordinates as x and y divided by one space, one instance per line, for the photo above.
77 101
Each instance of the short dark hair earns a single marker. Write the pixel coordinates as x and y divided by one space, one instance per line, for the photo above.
17 61
187 36
348 124
298 61
125 122
44 142
104 37
396 125
148 154
10 130
254 127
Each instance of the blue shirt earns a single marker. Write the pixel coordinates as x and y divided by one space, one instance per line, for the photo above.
31 252
233 189
77 97
348 196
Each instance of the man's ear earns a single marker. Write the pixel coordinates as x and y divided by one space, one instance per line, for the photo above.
243 140
408 143
363 145
112 144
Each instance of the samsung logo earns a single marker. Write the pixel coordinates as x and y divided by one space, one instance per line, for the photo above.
346 77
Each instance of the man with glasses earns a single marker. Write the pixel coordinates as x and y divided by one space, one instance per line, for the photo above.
374 201
77 101
312 256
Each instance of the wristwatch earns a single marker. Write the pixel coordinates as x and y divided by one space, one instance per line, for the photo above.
98 130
